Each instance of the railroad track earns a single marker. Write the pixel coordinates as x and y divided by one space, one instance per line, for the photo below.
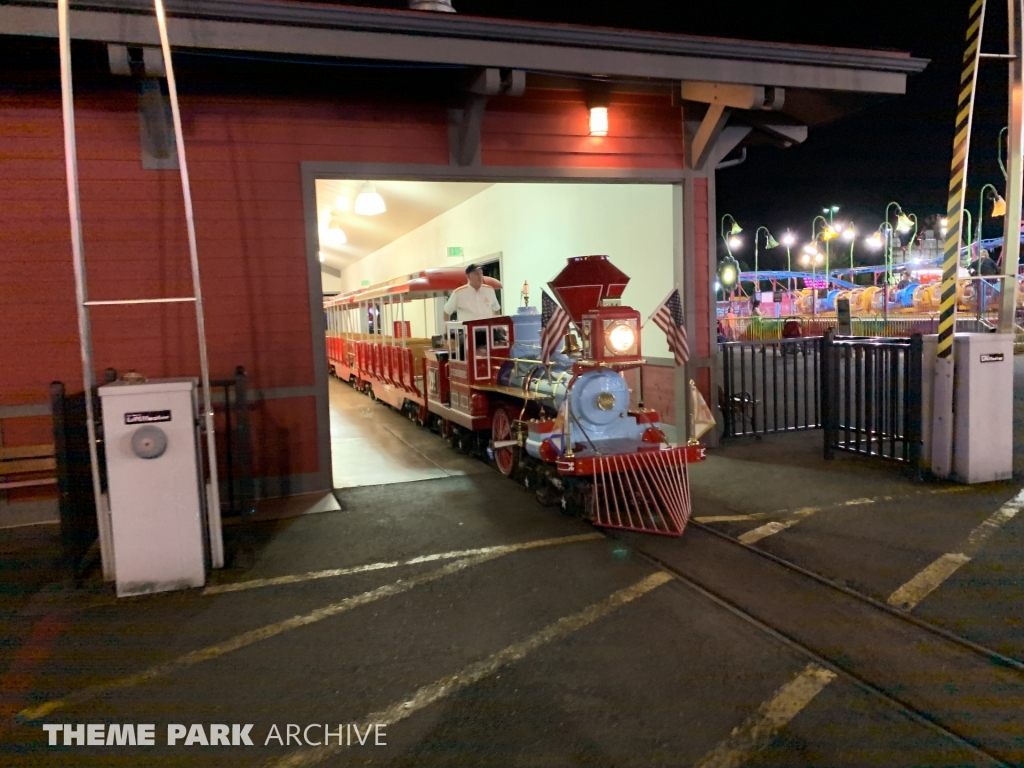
955 687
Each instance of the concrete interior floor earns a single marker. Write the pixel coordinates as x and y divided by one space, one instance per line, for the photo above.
372 444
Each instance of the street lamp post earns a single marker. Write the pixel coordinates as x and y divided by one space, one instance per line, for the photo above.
998 209
813 260
850 236
732 239
832 210
769 243
789 240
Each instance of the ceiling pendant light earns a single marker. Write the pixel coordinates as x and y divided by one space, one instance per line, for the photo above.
334 235
369 202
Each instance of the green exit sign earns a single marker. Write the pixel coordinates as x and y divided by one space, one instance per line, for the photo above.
365 283
454 252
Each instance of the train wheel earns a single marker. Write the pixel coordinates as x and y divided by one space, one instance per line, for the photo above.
507 458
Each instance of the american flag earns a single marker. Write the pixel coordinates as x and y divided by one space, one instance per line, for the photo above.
669 317
554 323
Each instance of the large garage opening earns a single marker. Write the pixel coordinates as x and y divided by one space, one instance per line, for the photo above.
391 254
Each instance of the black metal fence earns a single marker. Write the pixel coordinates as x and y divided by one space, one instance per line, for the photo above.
871 397
235 442
770 386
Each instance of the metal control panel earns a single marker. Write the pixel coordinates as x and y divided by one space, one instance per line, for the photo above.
154 485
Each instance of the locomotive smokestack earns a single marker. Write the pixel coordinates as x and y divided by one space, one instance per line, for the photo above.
587 281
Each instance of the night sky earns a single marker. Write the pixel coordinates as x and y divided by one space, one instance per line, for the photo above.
898 149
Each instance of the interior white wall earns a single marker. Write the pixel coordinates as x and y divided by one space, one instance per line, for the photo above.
330 284
536 227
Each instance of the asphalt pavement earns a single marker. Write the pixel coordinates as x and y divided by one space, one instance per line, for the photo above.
475 627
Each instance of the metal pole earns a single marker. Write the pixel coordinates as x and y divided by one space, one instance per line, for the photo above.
942 409
81 292
1014 170
213 511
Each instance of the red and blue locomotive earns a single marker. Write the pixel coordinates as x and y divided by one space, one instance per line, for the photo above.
565 427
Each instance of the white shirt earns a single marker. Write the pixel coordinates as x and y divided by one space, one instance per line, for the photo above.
472 304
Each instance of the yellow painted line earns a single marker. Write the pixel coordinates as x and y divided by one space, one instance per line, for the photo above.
931 578
759 729
740 518
253 636
770 529
500 549
474 673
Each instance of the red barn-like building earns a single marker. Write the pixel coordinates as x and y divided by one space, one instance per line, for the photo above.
276 94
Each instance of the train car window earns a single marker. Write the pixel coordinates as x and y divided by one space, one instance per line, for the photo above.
481 362
499 337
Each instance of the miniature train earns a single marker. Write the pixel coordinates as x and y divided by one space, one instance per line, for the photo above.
565 429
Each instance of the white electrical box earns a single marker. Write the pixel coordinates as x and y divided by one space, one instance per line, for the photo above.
154 485
983 405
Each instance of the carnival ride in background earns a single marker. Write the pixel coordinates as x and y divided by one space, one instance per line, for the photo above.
917 290
564 427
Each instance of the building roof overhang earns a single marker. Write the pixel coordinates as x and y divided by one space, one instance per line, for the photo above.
312 29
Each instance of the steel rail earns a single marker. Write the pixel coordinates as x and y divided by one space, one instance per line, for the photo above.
983 651
908 710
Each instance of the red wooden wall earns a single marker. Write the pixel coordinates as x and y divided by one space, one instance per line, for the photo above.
244 156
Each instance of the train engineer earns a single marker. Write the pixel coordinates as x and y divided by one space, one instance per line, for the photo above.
474 300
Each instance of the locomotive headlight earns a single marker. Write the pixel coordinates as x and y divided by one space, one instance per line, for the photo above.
621 337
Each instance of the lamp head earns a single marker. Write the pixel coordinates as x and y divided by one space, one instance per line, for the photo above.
998 206
735 242
771 242
789 239
849 234
875 241
728 273
369 202
805 259
903 223
735 229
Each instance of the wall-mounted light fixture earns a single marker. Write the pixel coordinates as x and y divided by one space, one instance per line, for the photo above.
599 120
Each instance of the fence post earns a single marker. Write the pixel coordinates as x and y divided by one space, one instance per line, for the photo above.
913 403
828 391
60 455
726 405
243 445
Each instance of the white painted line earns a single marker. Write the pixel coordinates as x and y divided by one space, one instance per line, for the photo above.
335 572
474 673
931 578
253 636
759 729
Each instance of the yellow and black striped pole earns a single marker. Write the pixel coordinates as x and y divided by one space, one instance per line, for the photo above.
958 178
942 424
